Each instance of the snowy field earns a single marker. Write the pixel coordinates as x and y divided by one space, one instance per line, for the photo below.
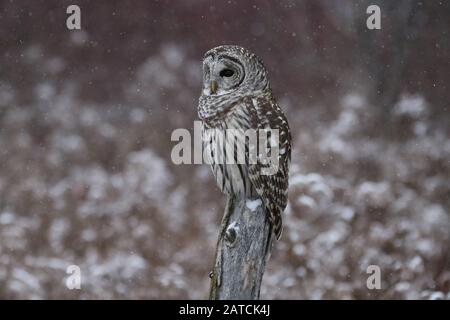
86 177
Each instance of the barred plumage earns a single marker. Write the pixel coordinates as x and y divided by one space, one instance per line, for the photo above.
236 95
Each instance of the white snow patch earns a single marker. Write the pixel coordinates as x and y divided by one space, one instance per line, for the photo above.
6 218
253 204
413 106
307 201
353 101
437 296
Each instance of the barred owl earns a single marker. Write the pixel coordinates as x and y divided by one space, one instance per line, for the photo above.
236 94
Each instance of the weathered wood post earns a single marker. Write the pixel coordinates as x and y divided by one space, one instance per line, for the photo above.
243 248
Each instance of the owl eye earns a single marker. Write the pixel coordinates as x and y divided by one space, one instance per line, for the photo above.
226 73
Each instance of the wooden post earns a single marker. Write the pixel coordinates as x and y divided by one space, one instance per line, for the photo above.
243 248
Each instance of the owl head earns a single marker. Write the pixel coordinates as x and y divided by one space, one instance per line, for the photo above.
232 69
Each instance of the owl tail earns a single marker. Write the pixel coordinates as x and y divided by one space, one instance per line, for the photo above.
276 221
275 230
278 227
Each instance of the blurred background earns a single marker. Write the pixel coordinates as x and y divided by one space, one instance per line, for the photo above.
86 176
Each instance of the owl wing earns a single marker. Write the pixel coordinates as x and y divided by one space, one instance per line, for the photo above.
273 189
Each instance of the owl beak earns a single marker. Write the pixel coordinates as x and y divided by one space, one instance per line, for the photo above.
213 87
